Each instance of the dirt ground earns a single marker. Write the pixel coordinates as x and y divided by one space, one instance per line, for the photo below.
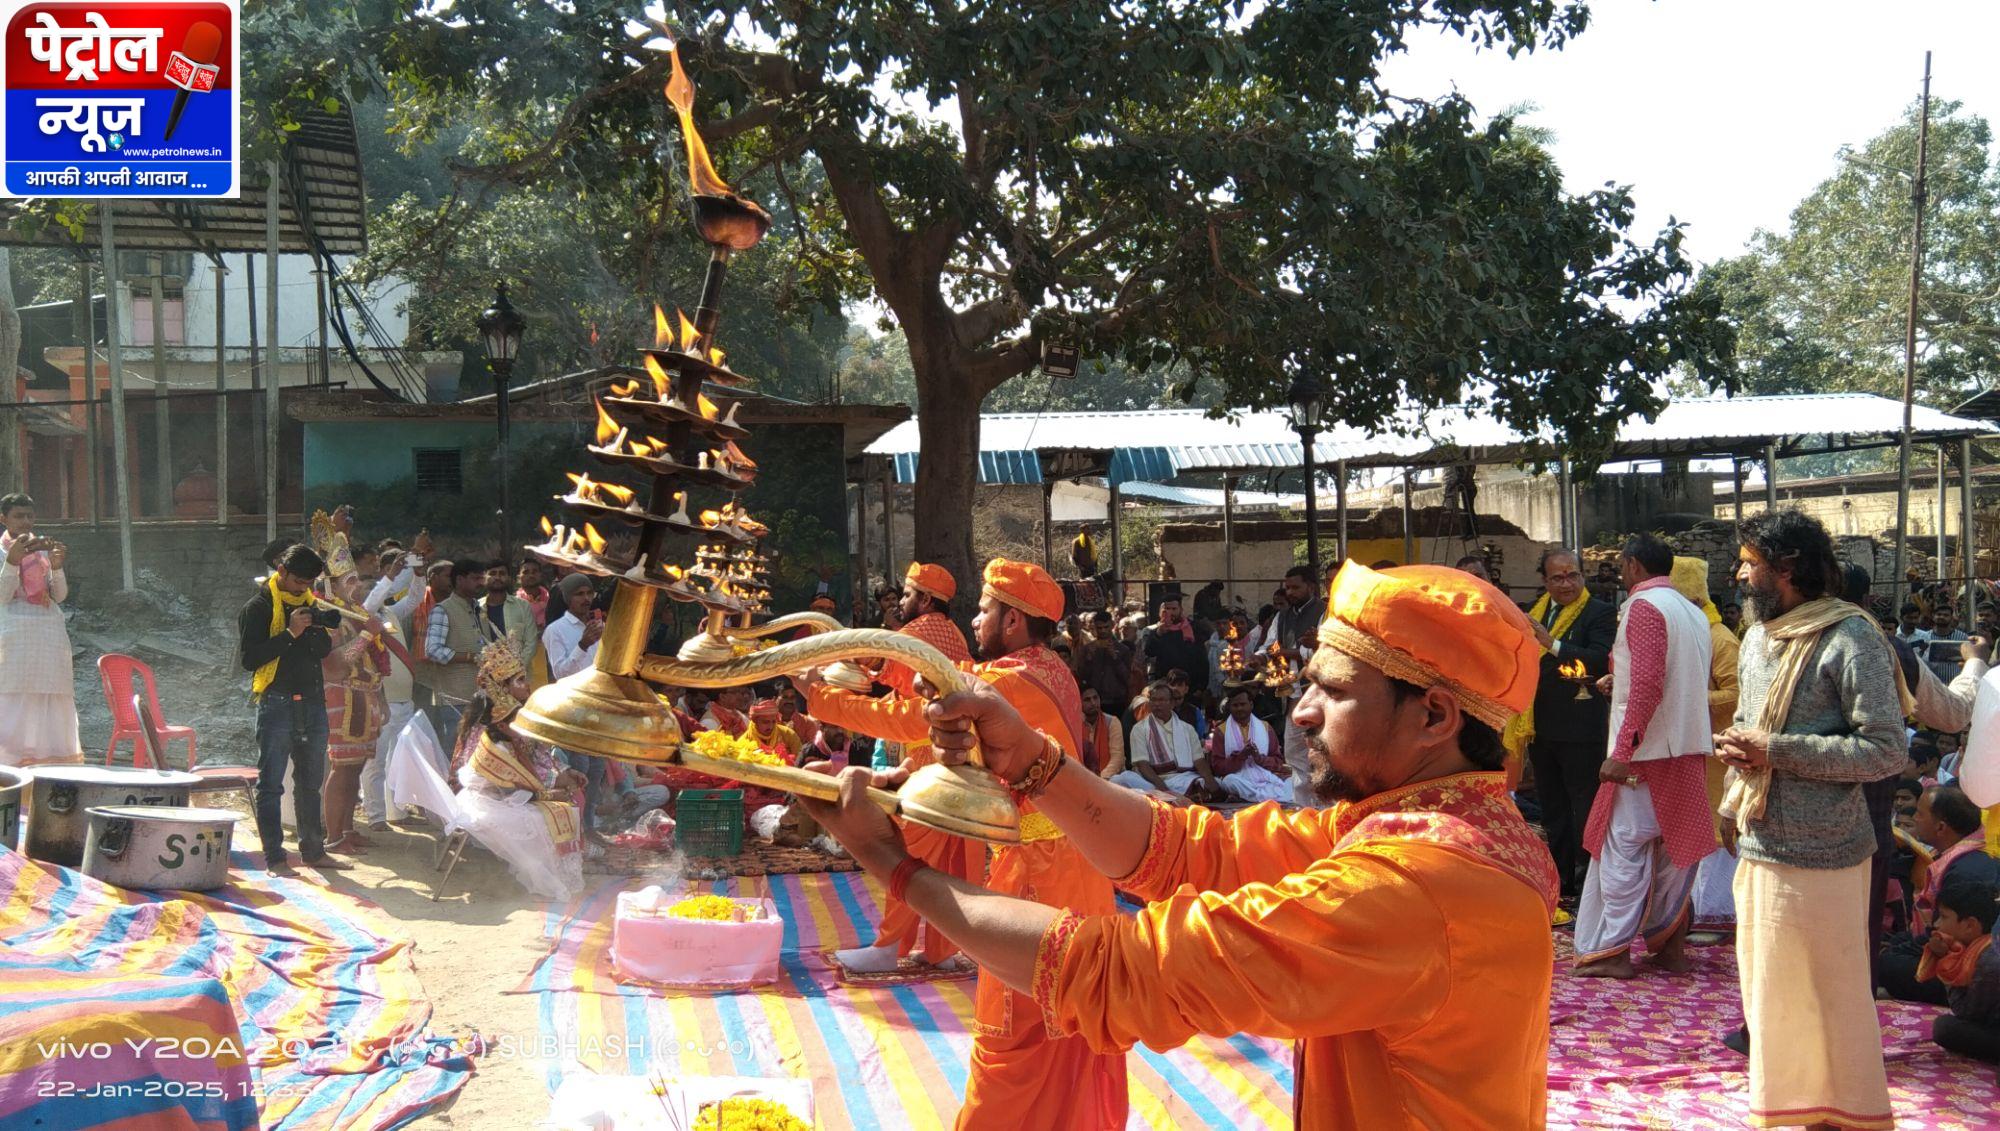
477 940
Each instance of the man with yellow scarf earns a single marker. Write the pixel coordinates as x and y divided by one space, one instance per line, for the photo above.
1564 733
282 647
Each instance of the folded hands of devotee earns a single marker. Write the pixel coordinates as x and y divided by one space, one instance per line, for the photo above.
1745 748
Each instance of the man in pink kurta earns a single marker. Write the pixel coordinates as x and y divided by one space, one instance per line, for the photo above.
1649 823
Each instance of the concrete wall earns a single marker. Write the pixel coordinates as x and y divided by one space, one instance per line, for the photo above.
1608 505
211 565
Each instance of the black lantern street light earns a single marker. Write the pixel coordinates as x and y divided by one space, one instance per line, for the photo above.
1305 405
501 325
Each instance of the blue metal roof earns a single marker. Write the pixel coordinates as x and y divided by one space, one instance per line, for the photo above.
1016 467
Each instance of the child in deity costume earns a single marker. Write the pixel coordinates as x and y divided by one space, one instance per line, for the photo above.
514 796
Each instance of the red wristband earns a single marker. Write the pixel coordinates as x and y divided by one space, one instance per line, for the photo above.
899 880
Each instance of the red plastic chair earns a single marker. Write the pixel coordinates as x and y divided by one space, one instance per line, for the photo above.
116 671
214 779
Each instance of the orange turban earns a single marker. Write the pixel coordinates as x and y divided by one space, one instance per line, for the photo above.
1025 586
932 579
1437 627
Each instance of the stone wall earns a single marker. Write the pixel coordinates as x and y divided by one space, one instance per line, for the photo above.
210 565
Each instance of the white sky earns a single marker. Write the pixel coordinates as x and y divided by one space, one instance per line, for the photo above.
1722 113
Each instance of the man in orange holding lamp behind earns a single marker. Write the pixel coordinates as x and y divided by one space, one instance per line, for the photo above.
1399 937
1022 1074
926 612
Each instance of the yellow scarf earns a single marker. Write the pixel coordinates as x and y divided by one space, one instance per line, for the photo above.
1796 635
282 604
1521 729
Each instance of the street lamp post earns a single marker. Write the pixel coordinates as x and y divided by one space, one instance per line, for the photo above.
501 325
1304 398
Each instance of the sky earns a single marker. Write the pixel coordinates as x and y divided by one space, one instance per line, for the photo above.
1722 113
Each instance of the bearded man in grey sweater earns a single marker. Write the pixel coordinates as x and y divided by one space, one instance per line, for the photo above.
1820 714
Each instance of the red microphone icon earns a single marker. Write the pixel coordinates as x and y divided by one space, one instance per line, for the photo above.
193 68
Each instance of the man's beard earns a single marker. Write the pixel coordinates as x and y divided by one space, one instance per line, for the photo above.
1328 784
1763 604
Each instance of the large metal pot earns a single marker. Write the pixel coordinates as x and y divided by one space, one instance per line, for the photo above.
159 847
12 783
61 797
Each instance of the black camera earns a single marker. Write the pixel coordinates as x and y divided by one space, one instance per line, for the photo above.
325 618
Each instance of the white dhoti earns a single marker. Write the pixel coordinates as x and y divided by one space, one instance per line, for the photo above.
375 775
1815 1036
1633 887
1714 894
1179 781
1255 783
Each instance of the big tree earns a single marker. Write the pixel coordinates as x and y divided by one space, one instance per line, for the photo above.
1220 187
1823 306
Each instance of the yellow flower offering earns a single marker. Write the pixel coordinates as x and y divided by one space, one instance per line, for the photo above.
736 748
748 1115
715 908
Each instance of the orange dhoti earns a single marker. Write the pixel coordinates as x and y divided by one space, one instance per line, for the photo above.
1023 1076
902 927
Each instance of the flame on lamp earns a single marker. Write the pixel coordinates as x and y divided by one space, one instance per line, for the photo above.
708 409
1574 669
624 388
607 428
593 539
733 454
547 528
663 332
662 384
702 177
622 496
689 335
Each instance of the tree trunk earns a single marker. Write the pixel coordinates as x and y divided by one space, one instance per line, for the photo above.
947 475
13 476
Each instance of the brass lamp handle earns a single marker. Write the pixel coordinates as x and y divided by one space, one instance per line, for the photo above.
842 644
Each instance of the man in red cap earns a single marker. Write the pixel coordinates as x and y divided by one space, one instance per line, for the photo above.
1023 1074
1400 937
926 613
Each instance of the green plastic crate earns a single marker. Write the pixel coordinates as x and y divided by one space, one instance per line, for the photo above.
709 822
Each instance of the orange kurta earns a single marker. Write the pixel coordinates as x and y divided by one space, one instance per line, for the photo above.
1401 941
1021 1075
938 631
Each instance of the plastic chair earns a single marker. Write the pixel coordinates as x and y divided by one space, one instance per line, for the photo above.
214 779
117 671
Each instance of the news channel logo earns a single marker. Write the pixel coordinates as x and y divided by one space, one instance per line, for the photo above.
120 98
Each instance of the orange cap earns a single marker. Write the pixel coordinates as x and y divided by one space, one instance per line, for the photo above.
1025 586
932 579
1437 627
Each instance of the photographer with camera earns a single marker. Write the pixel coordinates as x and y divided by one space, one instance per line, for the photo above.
283 638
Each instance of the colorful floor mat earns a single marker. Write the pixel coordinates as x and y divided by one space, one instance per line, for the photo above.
1643 1054
1648 1054
326 1010
884 1058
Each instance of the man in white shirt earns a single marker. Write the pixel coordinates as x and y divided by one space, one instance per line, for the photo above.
395 595
1164 752
570 641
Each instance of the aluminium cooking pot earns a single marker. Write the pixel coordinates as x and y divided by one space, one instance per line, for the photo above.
159 847
62 796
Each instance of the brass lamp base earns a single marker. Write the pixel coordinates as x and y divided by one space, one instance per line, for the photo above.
599 713
970 801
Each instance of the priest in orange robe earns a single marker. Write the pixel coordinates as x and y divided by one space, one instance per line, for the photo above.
1399 938
1023 1074
926 612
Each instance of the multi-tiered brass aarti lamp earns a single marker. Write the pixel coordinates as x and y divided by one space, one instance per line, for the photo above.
660 424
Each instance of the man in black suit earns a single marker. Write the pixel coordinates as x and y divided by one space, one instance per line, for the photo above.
1570 733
